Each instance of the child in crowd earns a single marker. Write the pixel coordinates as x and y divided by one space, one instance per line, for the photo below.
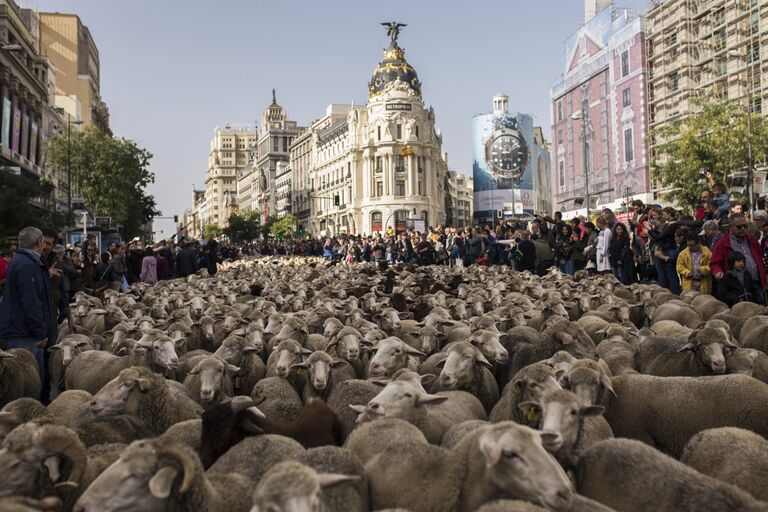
737 284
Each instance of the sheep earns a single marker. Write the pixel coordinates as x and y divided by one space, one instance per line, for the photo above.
392 354
568 425
122 429
488 342
632 477
483 467
150 475
732 455
284 355
527 385
702 354
618 354
590 381
752 334
685 316
519 342
404 397
139 392
225 425
375 437
707 306
20 411
510 506
210 380
748 361
466 369
241 353
62 353
19 375
323 372
290 485
333 459
747 309
456 433
666 412
24 504
347 344
293 328
70 406
277 398
560 335
350 392
268 450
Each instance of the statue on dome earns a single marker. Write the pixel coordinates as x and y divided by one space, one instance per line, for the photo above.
393 30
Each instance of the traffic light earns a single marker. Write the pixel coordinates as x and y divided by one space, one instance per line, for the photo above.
336 200
175 219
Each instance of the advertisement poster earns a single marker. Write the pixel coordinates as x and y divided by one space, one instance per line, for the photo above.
5 138
33 143
16 129
24 146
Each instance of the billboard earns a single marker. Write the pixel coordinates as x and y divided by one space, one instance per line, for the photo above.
503 153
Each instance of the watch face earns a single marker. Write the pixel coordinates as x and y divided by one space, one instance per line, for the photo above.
507 155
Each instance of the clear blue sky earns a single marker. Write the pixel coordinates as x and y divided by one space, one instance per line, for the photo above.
172 70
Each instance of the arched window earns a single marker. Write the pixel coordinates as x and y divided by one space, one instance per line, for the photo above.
376 221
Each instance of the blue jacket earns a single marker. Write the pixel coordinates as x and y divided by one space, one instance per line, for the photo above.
27 311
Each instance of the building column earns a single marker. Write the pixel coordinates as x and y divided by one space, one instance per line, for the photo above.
388 175
428 179
409 172
366 176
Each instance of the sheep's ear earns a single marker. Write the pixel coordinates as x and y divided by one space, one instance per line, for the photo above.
332 345
53 348
160 484
560 373
299 366
431 399
249 348
592 410
330 479
490 448
687 346
380 382
338 363
481 360
179 342
232 368
428 378
256 412
529 408
412 351
405 315
518 386
357 408
195 370
305 352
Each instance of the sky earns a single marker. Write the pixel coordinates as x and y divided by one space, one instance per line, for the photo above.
174 70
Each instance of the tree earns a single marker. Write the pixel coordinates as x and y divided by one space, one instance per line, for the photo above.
713 139
211 231
285 227
243 227
25 201
112 174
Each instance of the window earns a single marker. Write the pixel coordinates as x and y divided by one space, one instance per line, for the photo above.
561 172
560 136
376 221
379 188
399 163
378 165
560 110
626 97
399 131
378 133
421 188
721 66
757 105
720 39
400 188
673 81
417 131
629 153
753 52
625 63
285 144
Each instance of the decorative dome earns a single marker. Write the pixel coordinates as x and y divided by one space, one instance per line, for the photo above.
393 70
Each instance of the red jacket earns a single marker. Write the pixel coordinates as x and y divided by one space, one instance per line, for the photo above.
723 249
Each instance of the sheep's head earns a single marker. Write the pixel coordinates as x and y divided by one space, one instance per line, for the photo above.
348 343
561 412
213 373
122 393
274 323
401 398
531 382
147 477
430 339
331 326
461 365
233 348
292 328
562 362
391 355
163 348
590 381
517 464
71 346
711 345
319 365
742 360
291 486
289 352
488 343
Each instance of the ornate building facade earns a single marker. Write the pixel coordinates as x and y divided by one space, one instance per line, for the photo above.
382 166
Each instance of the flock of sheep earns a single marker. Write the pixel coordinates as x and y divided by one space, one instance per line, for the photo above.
292 385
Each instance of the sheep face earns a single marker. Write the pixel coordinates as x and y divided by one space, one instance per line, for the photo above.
293 487
292 328
136 481
401 398
274 324
461 366
590 381
331 327
70 348
516 462
319 365
489 345
114 397
430 339
212 372
391 355
348 344
710 345
206 328
163 350
742 361
196 306
289 353
530 388
388 320
232 350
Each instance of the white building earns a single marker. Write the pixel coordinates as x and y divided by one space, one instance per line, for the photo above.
459 200
283 185
383 164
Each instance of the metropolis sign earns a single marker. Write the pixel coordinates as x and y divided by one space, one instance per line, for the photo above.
398 106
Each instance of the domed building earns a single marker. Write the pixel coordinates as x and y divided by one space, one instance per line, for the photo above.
382 163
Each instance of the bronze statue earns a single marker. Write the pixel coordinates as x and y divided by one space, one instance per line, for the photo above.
393 29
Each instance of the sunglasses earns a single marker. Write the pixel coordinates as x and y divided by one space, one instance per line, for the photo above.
740 226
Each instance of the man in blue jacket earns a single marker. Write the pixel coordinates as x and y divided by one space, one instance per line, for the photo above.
26 313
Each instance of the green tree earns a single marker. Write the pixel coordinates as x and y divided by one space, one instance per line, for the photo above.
713 139
244 226
25 201
211 231
285 227
112 174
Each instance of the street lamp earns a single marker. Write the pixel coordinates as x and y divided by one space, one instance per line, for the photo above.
70 122
582 114
750 170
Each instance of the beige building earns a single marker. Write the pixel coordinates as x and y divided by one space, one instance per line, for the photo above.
696 47
74 58
300 159
230 148
459 200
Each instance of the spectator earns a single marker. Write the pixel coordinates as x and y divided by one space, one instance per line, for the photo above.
759 219
710 234
739 240
103 272
527 249
737 284
620 255
544 259
149 267
119 268
704 198
721 200
26 313
590 247
579 242
603 246
5 259
693 266
213 256
185 261
133 261
564 250
662 233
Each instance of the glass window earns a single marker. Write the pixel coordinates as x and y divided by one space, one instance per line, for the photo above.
417 131
629 154
399 131
378 133
626 97
625 63
399 163
562 174
560 110
376 220
399 188
721 66
378 165
673 81
379 188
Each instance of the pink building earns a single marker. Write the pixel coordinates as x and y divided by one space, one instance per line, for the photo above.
603 75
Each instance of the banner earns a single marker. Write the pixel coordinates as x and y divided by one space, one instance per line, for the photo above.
16 129
5 138
33 144
24 146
